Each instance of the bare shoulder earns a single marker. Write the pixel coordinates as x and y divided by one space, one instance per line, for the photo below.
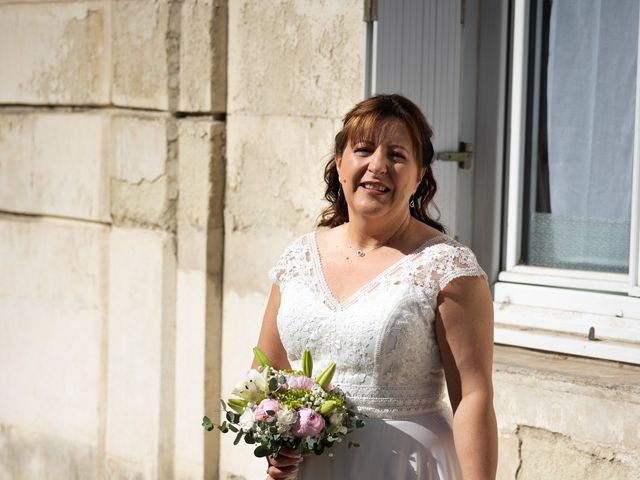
423 233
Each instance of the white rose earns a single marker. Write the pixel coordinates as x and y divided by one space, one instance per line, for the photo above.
246 421
286 418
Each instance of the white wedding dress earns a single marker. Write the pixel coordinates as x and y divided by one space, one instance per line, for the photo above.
388 362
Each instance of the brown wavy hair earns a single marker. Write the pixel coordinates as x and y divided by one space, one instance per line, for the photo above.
361 123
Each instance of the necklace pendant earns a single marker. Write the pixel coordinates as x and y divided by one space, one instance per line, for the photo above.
360 253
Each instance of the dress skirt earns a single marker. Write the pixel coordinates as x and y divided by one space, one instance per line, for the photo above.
413 448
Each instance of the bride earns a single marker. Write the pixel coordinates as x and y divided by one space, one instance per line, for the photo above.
400 306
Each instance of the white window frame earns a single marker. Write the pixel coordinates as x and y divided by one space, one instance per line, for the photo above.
555 309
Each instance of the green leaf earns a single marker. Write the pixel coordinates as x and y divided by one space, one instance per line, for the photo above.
238 438
261 357
248 438
206 423
273 384
233 428
261 451
224 405
237 404
233 417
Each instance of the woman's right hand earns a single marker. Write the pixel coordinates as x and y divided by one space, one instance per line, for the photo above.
284 466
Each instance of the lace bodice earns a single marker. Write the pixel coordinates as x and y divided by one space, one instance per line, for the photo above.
383 337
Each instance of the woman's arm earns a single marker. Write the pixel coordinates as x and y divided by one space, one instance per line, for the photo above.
464 328
269 341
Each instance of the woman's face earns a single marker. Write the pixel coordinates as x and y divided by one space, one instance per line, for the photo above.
380 174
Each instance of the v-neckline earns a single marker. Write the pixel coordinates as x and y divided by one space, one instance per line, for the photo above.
351 298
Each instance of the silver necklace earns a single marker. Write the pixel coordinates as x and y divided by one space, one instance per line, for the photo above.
361 253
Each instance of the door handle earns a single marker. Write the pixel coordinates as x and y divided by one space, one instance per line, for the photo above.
464 156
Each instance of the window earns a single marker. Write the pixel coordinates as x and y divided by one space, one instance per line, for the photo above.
579 135
570 279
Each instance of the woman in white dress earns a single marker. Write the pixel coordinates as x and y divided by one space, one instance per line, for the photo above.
399 305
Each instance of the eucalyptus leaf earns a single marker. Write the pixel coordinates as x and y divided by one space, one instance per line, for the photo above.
273 384
261 451
206 423
238 438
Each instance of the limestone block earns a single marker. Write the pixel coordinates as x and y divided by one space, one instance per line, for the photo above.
270 160
586 410
294 57
198 323
585 413
508 456
553 456
28 454
55 53
242 314
201 173
143 185
203 56
53 304
141 367
54 164
198 327
141 56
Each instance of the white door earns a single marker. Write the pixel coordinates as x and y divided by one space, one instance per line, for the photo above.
426 50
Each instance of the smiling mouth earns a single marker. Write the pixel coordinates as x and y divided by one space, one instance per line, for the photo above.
374 187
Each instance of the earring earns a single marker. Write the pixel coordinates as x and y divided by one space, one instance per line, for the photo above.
411 202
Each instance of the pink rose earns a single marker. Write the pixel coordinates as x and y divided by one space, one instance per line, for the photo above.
267 404
300 381
309 423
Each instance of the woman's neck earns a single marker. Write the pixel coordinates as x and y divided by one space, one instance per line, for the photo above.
365 233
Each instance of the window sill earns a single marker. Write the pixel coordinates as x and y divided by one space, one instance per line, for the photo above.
560 320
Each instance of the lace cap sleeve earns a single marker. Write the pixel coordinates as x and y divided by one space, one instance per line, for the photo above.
455 261
291 262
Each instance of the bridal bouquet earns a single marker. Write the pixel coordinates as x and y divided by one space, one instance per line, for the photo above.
276 409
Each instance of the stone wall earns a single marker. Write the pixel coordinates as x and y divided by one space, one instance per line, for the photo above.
112 138
563 417
295 68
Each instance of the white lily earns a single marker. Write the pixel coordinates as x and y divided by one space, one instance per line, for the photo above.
254 388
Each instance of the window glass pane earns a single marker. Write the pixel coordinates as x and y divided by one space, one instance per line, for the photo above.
580 134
